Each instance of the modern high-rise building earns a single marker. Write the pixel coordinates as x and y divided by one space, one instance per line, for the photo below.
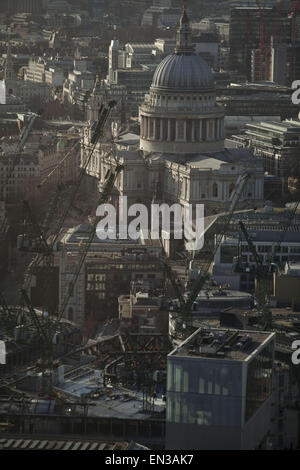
219 390
250 29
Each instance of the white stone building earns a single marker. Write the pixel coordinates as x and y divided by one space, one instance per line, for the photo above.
26 90
179 156
39 71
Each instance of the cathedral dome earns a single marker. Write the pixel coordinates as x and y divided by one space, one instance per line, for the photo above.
180 114
183 72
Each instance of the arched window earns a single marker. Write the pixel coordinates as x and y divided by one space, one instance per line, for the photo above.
215 190
70 314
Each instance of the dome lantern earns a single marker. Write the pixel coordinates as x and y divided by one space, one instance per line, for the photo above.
184 34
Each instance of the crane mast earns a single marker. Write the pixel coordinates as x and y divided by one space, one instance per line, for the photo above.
263 274
186 305
46 325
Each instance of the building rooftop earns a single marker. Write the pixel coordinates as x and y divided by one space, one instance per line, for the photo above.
269 236
128 139
222 343
284 126
209 161
221 294
80 234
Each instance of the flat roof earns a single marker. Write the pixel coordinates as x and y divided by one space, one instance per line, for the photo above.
222 343
80 234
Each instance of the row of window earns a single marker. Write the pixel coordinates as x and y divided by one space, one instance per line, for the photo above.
127 266
182 98
101 286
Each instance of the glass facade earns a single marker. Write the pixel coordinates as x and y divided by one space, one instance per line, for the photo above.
204 392
210 392
259 380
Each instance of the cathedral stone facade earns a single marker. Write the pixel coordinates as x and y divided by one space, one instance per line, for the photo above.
179 155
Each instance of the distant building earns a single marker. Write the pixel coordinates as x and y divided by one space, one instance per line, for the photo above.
277 142
39 71
20 88
109 269
253 102
77 88
265 237
53 165
98 8
209 48
142 313
24 6
219 390
58 7
161 15
287 285
244 36
18 174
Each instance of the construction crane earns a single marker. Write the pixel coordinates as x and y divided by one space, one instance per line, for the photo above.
174 283
38 243
47 326
45 257
110 180
274 32
263 273
7 318
184 312
265 41
25 132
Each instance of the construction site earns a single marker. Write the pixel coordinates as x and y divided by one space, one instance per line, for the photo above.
115 343
58 380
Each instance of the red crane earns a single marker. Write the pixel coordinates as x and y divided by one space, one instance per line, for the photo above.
272 37
265 44
261 40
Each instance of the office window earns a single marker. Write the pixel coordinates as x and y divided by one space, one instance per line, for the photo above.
259 377
177 378
201 385
177 410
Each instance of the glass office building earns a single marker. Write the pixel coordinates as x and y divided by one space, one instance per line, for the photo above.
218 391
